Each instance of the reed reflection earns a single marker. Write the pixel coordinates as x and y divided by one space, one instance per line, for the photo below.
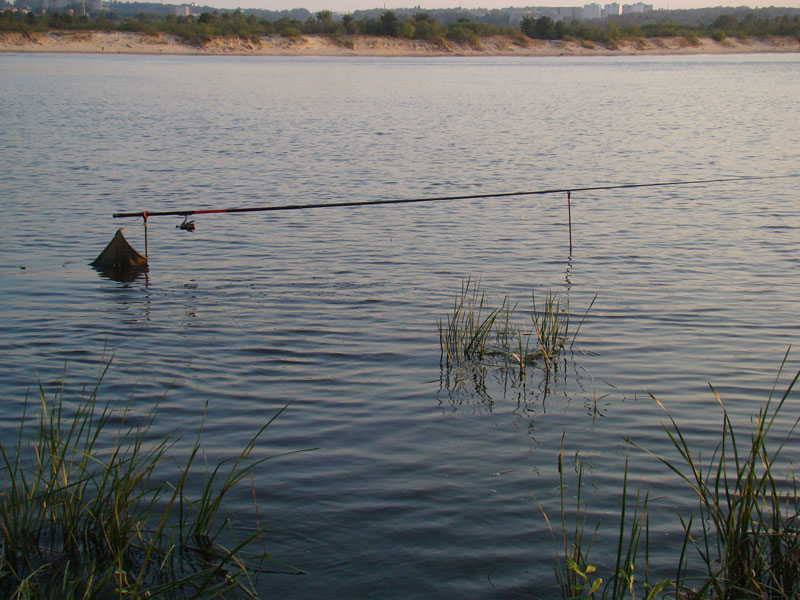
528 394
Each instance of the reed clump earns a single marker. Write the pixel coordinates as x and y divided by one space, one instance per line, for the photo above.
748 533
577 578
743 538
475 333
86 512
466 334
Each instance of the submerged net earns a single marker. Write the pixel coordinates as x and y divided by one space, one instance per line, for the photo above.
120 255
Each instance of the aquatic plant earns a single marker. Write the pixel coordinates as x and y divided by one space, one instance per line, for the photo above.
551 325
465 334
747 537
477 333
86 510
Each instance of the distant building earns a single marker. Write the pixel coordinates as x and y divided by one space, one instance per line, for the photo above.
79 6
592 11
565 12
186 10
639 7
557 13
588 11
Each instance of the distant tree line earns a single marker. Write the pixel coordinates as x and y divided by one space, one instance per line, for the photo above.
419 26
218 24
614 30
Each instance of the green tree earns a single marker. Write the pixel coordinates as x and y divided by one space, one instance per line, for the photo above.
267 27
464 31
350 25
613 32
406 29
288 27
388 24
324 23
726 23
59 20
427 28
543 28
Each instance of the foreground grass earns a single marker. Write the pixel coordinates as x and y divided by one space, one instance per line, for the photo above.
744 534
86 512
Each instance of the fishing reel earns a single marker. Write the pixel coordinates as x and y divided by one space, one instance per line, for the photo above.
186 225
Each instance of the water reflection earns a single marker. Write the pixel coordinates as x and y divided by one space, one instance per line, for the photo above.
139 302
465 385
123 275
567 274
483 388
190 309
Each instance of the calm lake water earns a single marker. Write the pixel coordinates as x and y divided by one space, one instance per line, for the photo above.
422 486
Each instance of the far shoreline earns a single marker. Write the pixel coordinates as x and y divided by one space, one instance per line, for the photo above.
91 42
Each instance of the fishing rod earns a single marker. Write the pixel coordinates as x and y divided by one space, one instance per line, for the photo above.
357 203
120 255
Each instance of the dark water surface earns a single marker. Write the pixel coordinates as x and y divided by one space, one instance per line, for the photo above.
421 486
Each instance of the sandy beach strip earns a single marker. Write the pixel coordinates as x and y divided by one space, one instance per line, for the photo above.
362 45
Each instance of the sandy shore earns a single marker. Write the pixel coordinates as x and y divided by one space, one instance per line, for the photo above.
359 45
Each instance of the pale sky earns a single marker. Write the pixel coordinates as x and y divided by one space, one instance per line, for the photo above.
351 5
